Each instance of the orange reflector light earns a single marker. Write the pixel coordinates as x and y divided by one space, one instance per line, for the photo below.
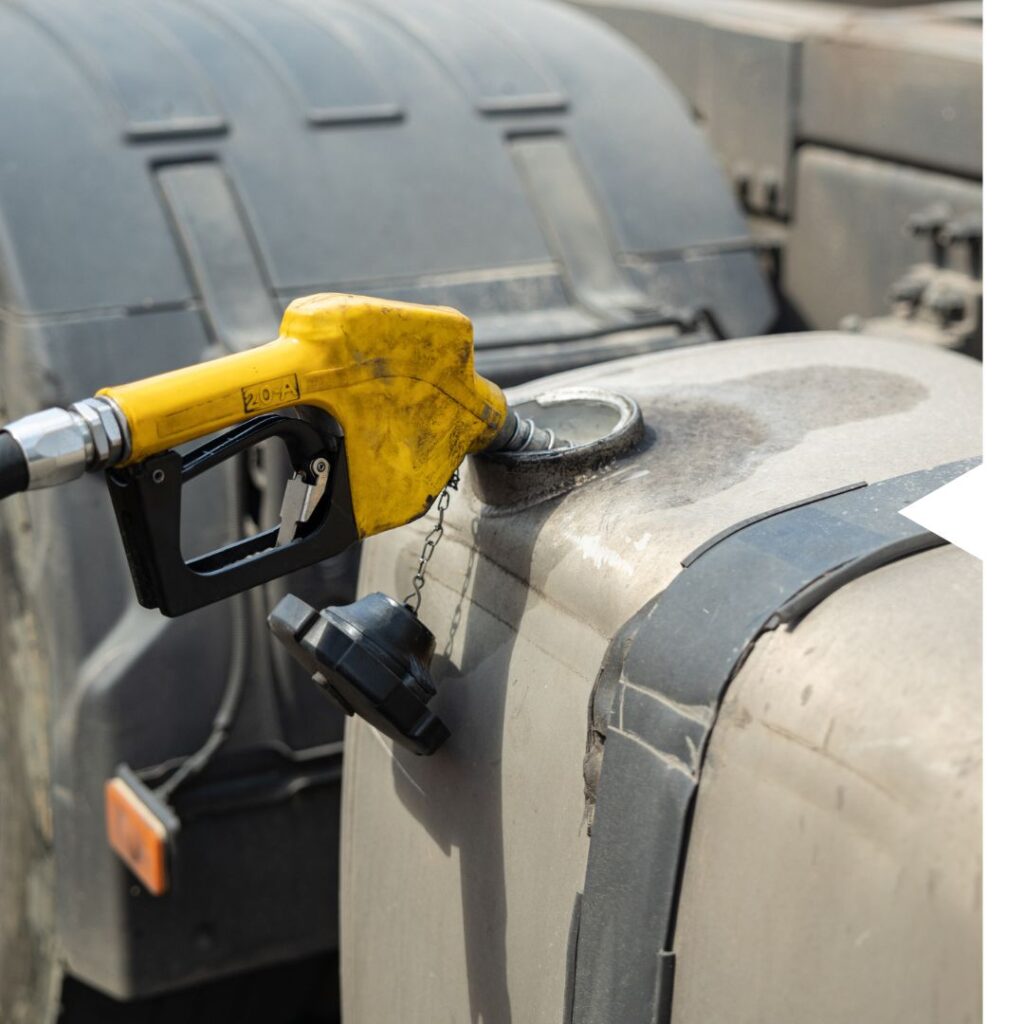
137 836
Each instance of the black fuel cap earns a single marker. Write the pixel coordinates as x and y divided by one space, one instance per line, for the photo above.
373 658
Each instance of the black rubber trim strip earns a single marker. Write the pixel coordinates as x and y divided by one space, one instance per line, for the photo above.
814 593
570 960
664 987
743 523
675 668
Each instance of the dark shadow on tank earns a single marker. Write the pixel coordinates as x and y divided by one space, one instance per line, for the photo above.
464 779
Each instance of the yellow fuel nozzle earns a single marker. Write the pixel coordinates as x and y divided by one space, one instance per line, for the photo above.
398 380
397 377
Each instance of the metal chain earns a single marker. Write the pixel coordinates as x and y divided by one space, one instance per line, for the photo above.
413 598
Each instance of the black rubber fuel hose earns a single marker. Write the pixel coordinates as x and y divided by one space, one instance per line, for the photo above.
13 467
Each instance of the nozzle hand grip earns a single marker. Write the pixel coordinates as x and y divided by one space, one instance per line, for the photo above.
147 502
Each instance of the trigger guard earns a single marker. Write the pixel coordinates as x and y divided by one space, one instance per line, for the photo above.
147 502
303 440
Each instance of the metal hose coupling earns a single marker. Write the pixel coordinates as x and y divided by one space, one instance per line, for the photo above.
61 444
520 434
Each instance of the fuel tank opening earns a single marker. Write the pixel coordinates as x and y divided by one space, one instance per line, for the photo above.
592 427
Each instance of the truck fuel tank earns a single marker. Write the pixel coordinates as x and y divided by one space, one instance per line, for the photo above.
714 708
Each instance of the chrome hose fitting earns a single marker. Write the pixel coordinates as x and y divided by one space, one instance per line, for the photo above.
62 444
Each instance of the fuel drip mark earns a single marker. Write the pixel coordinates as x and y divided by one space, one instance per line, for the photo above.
271 394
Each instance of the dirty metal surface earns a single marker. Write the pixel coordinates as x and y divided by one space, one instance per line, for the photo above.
646 750
841 793
524 606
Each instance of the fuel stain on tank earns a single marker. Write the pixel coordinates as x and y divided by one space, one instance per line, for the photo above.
725 431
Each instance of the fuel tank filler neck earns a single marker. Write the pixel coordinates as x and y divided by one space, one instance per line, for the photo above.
556 441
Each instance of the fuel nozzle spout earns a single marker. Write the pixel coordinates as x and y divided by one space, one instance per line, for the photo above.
521 434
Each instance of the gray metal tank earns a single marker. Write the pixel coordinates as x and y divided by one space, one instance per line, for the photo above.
714 703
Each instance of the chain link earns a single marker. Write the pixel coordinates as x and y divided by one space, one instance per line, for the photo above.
414 597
